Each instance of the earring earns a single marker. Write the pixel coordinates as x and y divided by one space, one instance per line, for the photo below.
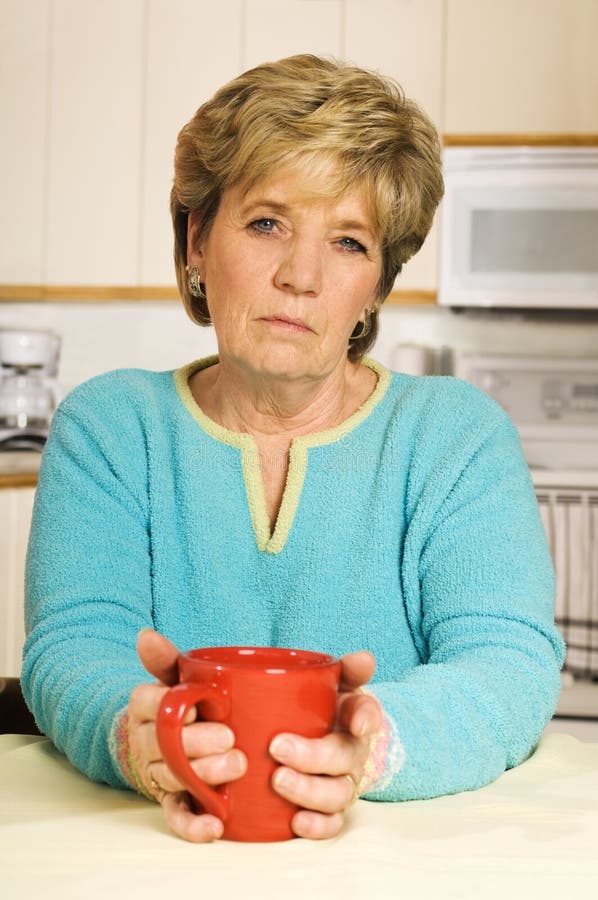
195 287
365 326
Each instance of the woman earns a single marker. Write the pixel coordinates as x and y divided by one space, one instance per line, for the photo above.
289 491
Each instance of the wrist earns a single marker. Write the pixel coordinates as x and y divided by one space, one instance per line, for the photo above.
123 755
375 763
385 758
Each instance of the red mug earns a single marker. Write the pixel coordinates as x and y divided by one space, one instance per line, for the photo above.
258 692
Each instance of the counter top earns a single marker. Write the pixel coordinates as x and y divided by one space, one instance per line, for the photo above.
532 833
19 468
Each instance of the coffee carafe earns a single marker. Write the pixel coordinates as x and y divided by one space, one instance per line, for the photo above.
29 392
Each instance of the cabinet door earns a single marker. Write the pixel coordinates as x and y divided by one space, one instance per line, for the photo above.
192 49
15 514
521 66
274 30
403 39
96 109
23 114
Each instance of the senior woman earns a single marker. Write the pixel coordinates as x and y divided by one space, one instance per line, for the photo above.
290 491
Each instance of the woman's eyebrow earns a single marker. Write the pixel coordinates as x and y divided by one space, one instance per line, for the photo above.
272 205
355 225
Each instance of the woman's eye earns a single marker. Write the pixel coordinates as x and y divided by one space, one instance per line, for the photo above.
352 245
264 226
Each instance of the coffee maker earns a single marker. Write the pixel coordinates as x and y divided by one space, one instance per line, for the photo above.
29 392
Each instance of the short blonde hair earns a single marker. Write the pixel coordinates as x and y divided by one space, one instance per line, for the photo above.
301 107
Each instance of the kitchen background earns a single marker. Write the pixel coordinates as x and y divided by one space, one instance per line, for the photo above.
93 92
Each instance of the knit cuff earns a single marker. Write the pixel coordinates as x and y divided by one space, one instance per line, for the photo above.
120 752
385 759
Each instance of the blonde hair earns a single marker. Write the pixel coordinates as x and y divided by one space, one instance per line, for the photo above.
296 110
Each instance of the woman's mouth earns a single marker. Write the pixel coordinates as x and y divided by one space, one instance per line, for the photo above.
286 323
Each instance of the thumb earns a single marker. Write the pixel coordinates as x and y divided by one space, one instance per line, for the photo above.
356 669
158 655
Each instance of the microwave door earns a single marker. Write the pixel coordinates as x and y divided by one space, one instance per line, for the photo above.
513 245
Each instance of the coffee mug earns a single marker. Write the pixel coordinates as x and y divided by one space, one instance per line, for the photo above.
258 692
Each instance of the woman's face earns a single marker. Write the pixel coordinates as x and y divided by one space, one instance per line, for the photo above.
287 275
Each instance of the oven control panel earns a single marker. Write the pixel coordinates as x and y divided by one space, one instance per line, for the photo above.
552 401
537 391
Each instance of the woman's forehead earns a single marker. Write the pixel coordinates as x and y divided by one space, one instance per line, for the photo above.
302 181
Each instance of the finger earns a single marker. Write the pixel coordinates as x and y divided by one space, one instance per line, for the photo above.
144 702
180 818
317 827
356 669
316 792
359 714
334 754
214 770
200 739
158 655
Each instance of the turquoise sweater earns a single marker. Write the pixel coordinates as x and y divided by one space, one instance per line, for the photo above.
411 531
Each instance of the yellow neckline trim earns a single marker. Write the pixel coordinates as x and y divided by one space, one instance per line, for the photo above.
252 475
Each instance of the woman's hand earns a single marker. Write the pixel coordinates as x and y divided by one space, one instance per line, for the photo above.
313 772
208 745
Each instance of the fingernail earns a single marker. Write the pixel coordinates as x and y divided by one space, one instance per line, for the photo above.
281 748
284 778
237 764
215 830
360 726
227 739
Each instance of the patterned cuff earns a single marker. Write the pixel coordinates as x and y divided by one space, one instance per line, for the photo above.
385 759
120 752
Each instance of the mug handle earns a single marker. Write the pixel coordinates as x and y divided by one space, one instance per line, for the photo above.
169 724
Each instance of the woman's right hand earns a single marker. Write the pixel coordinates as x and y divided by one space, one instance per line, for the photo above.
208 745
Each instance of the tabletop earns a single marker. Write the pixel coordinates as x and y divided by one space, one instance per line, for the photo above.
533 833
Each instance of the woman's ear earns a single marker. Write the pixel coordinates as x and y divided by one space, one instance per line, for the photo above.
194 251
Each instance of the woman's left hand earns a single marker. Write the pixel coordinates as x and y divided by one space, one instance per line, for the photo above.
313 771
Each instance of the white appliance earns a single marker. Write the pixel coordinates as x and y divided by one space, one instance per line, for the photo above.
29 392
554 404
519 227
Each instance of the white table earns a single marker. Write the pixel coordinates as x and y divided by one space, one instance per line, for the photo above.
531 834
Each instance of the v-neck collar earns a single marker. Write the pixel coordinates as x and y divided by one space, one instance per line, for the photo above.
274 541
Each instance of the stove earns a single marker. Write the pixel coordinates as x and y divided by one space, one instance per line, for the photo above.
554 404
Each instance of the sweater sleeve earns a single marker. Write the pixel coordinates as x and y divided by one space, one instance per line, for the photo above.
479 590
88 590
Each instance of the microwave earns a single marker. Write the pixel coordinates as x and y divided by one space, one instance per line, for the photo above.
519 228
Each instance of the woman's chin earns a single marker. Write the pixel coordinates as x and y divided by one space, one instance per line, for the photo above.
286 366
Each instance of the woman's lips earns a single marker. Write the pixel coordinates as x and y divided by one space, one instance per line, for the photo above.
287 323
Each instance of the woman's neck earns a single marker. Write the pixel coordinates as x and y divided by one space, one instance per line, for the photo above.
276 410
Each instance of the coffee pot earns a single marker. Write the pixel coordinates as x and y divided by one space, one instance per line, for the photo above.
29 392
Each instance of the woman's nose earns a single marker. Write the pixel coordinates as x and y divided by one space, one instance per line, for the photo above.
300 268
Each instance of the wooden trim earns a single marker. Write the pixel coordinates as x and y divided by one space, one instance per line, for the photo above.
18 479
411 298
511 140
83 293
89 293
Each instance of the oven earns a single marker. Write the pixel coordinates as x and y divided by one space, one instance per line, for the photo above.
554 404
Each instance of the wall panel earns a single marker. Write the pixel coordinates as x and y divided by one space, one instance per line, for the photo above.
24 39
95 142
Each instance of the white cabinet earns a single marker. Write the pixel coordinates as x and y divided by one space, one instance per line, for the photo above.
192 49
403 39
521 66
95 152
93 94
274 29
24 51
15 518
